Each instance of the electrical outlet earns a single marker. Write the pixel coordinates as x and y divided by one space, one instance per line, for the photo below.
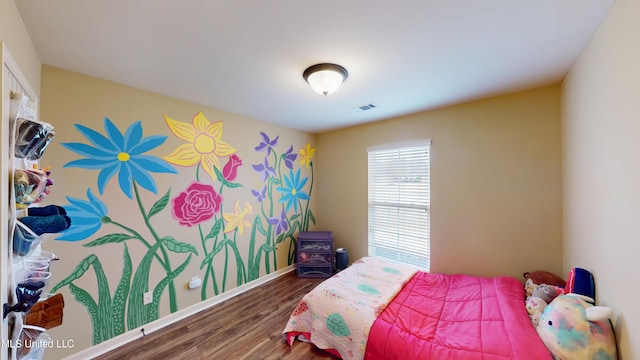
148 298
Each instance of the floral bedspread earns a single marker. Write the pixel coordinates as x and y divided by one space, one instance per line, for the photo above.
338 314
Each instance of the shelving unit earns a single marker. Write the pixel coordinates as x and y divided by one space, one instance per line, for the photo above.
314 254
13 82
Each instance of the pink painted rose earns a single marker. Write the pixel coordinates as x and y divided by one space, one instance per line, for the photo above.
230 169
198 203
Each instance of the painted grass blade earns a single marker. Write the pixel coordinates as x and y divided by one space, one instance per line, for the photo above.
136 316
122 292
83 297
154 307
77 273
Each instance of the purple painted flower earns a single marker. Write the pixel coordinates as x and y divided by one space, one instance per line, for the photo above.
230 170
289 158
281 223
267 143
265 169
198 203
260 195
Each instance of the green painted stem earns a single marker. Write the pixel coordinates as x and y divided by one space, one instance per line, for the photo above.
209 271
173 306
305 220
139 237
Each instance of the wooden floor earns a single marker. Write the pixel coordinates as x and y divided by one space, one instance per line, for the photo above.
248 326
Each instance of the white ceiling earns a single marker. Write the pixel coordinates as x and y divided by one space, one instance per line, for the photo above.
247 56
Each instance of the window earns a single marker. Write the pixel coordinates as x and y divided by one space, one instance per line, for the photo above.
399 219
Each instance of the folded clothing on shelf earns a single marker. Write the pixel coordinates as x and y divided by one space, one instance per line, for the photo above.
30 185
32 138
47 224
46 210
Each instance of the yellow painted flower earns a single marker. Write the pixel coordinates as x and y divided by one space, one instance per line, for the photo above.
204 144
306 153
236 219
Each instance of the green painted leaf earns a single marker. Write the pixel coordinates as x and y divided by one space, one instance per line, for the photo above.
83 297
122 292
136 315
267 268
154 307
368 289
311 217
215 229
391 270
177 246
80 269
275 181
160 204
241 276
224 181
109 239
261 228
207 259
337 325
104 301
294 217
219 175
252 247
255 272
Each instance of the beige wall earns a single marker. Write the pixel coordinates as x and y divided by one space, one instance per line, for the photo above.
70 98
495 183
601 124
15 37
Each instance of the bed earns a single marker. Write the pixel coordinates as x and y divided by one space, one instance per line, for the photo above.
378 309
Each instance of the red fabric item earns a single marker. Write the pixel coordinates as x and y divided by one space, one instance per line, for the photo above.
456 317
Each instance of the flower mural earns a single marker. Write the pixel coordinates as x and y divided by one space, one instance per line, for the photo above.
236 220
198 203
204 144
203 149
306 154
87 217
292 193
241 238
121 155
230 170
291 188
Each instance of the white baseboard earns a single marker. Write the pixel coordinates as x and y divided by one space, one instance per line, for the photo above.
153 326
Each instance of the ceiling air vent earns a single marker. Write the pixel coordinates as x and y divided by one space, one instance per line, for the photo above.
365 107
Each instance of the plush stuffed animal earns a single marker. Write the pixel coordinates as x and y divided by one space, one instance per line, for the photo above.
535 306
536 278
542 295
547 292
571 328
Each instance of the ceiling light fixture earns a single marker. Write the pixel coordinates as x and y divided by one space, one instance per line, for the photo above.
325 78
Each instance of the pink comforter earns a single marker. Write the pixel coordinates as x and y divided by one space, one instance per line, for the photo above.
456 317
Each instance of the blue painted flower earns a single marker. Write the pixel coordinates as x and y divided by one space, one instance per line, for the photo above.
267 143
292 191
86 217
289 158
281 222
260 195
121 154
266 170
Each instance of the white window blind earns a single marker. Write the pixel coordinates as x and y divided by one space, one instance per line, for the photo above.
399 188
